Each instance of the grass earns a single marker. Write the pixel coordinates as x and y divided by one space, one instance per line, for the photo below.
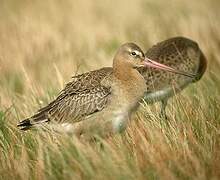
43 44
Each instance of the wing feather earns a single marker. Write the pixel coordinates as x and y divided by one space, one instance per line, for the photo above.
83 96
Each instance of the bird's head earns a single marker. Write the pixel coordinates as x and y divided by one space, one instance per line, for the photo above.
131 54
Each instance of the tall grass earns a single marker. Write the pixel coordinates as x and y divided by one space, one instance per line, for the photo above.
42 44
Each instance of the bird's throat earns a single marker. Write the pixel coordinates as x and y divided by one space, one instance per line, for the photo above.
128 88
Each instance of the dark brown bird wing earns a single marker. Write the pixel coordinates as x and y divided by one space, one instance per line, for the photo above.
85 94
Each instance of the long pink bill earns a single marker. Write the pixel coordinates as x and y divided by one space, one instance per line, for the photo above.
150 63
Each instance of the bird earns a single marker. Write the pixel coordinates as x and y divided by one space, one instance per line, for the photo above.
180 53
96 104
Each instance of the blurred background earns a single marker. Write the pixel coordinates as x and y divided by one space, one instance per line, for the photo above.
42 44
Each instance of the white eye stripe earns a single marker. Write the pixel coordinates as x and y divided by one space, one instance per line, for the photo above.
137 52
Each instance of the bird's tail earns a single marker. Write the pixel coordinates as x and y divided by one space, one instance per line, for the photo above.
39 118
25 124
29 123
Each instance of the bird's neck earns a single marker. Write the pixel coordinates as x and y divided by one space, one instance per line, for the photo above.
122 70
128 87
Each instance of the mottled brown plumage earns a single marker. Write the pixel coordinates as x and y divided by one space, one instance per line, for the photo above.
81 97
180 53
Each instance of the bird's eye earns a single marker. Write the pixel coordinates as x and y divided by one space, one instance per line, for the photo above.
133 54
